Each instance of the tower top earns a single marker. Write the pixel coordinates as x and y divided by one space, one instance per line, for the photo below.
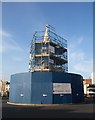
48 51
47 25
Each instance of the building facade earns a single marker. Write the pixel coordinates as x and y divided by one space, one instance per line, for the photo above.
46 88
4 88
48 80
0 87
86 83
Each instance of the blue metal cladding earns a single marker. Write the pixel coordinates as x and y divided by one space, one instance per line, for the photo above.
76 86
33 87
20 84
77 89
37 88
61 99
60 77
41 88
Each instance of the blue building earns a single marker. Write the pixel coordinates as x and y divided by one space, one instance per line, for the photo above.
48 80
46 88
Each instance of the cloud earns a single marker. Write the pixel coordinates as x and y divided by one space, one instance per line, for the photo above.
83 66
10 48
5 34
12 54
11 45
79 62
77 56
7 43
80 40
17 59
75 42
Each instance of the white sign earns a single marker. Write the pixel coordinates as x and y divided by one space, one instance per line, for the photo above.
44 95
61 88
21 95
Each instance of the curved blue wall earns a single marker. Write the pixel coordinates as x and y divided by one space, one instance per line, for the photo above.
76 85
30 87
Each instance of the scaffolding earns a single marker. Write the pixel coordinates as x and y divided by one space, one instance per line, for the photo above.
48 52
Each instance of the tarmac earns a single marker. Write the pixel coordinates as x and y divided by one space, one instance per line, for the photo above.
80 110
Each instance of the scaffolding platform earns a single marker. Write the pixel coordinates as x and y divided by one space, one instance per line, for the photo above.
48 52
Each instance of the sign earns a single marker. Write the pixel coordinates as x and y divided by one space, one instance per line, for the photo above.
61 88
44 95
21 95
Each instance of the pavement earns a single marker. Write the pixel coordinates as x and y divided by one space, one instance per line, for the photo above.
81 110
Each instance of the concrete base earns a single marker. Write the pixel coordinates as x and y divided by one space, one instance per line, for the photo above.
20 104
